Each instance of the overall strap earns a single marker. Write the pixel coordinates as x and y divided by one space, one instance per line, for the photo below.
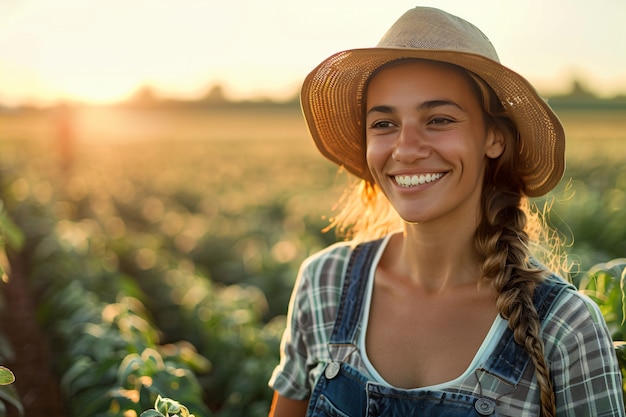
353 292
513 359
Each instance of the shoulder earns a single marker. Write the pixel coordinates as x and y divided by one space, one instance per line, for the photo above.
318 289
571 304
328 267
322 276
573 319
579 348
332 260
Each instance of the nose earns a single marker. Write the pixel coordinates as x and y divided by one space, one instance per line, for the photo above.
410 145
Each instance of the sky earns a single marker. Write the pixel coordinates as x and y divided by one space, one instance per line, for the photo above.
102 51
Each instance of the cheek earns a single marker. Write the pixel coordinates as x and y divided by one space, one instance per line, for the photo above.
374 153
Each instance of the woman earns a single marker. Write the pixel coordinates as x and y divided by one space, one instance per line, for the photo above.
444 312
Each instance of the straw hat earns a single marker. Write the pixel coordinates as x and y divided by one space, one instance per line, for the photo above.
333 94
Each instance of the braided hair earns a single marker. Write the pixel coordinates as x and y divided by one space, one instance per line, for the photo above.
503 241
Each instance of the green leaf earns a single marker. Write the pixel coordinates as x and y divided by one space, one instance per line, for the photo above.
169 407
6 376
621 286
151 413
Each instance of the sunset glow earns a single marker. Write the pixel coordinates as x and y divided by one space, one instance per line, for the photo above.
102 51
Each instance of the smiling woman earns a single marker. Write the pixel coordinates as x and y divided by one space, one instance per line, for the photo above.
431 120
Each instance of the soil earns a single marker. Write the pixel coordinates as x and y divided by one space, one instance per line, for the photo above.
36 384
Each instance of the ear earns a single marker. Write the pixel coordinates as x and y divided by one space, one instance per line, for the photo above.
494 145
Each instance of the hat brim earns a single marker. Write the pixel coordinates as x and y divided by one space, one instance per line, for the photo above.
333 96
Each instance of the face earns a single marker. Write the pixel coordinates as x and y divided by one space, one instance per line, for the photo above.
427 141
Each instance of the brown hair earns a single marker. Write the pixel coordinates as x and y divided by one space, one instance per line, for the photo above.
503 239
510 232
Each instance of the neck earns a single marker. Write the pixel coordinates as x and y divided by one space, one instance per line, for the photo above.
437 260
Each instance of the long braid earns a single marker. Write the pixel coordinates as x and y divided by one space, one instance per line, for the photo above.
502 240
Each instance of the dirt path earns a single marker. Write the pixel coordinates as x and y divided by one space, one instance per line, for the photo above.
37 386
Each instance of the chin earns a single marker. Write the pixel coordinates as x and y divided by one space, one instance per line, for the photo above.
412 219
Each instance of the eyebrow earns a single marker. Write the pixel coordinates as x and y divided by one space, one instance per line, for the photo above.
423 106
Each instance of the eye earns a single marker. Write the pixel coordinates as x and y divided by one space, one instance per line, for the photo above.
382 124
440 121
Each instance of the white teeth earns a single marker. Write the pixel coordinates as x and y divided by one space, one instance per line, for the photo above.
411 180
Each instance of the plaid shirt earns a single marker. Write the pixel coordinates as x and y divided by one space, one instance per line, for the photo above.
578 348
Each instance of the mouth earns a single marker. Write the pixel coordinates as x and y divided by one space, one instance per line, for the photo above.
407 181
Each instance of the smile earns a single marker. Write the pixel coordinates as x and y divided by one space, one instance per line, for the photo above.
413 180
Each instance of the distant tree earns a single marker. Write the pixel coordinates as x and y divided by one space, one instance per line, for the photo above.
145 96
215 95
580 90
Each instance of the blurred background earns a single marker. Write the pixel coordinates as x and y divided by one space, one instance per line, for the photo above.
159 190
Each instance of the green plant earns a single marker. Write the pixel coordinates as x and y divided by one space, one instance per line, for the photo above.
107 350
11 236
605 284
165 407
6 376
8 393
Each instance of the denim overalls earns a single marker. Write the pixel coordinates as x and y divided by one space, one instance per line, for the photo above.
342 391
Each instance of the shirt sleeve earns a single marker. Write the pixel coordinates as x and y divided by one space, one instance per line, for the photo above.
583 361
310 319
290 376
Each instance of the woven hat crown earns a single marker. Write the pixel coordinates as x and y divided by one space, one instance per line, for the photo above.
428 28
333 94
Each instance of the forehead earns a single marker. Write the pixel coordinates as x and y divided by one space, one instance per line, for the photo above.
423 66
421 76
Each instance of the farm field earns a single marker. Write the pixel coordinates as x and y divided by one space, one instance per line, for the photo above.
270 154
160 246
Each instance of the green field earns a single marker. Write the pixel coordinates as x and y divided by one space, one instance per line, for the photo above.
229 159
190 226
